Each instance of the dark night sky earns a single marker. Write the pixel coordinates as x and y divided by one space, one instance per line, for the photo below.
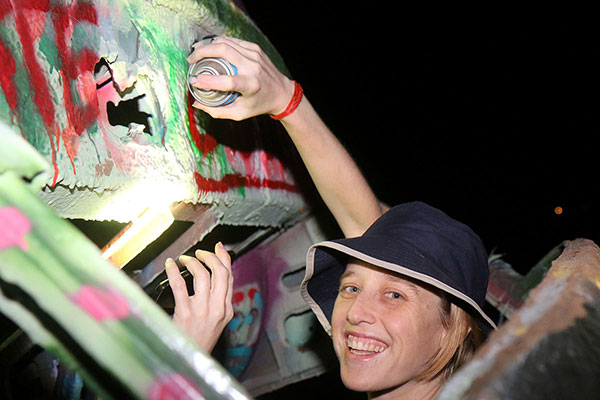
488 118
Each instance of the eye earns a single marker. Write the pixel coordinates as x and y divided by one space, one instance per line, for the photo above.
394 295
349 289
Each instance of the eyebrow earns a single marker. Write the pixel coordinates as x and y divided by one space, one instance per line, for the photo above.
345 274
390 276
403 281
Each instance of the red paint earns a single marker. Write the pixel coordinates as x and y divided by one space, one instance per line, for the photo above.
74 64
238 297
232 181
204 143
29 18
252 292
41 92
7 72
7 66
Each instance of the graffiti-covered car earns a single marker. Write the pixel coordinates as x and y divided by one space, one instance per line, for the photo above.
97 90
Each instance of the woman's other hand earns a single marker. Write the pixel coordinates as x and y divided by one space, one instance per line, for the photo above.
203 315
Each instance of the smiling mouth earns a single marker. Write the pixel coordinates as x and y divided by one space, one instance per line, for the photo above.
364 346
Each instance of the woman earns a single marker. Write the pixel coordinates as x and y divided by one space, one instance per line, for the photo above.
402 302
401 295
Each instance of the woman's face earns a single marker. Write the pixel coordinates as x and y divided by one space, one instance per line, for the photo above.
385 328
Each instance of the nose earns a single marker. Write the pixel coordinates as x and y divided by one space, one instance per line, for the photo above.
361 310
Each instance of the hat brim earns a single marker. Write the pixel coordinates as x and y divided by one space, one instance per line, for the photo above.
320 284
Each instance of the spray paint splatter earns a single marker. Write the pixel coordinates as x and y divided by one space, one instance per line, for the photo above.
102 304
174 387
14 225
74 67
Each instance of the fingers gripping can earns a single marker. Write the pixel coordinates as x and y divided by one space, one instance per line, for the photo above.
212 66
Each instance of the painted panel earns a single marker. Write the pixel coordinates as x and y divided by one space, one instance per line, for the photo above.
98 88
56 286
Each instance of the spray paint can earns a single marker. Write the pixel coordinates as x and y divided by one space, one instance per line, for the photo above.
212 66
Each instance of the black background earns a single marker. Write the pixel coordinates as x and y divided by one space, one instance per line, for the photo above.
486 114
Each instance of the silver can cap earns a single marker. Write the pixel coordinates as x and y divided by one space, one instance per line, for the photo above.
212 66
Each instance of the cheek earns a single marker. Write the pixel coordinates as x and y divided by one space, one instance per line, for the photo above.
338 319
428 333
416 327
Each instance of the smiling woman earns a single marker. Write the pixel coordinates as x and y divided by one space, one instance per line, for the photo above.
402 302
402 294
380 323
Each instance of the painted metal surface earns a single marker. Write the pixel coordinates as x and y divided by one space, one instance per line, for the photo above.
274 338
99 89
56 286
549 347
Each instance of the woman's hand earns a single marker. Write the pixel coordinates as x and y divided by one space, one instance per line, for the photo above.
204 315
263 88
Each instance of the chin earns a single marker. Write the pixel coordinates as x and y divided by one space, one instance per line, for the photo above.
359 383
356 386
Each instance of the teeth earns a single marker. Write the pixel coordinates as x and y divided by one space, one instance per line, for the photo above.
367 345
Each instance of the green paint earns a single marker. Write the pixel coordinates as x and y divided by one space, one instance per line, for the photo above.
59 261
167 56
164 51
48 49
198 156
28 116
4 107
84 37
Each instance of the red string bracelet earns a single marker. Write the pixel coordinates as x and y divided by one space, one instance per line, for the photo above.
294 102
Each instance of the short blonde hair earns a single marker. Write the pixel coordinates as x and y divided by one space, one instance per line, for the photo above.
461 338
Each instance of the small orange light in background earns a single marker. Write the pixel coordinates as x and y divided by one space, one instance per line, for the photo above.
558 210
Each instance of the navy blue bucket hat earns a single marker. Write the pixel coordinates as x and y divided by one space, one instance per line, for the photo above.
414 240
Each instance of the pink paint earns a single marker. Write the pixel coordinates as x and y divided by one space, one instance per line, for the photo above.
14 225
270 166
101 304
230 154
174 387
